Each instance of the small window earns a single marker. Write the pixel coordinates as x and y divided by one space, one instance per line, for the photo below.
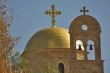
84 27
61 68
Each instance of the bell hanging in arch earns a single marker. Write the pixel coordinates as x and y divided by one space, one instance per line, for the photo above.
79 47
91 48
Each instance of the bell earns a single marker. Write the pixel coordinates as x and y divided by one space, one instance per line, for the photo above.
90 48
79 47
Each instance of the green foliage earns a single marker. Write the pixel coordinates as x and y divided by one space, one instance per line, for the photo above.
20 65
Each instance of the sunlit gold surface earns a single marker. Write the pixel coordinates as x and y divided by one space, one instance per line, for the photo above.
49 38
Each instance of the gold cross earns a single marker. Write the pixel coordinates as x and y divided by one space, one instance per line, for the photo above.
84 10
53 13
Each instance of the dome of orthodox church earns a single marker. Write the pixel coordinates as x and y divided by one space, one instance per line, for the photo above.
49 38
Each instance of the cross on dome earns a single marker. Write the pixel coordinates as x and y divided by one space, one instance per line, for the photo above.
53 13
84 11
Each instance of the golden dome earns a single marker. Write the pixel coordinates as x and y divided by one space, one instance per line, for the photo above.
49 38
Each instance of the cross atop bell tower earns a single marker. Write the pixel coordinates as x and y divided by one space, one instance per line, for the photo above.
53 13
84 11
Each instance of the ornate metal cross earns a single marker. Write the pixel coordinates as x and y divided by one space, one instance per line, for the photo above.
84 10
53 13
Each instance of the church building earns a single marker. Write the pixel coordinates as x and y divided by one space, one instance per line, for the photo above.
73 50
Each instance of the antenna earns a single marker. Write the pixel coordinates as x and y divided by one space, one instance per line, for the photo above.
52 1
85 3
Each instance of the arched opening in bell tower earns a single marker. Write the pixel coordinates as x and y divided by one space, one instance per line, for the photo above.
80 50
91 50
79 45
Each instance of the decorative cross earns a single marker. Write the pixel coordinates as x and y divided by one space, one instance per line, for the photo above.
84 10
53 13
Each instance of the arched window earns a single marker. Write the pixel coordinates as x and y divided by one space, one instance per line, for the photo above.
91 50
61 68
79 45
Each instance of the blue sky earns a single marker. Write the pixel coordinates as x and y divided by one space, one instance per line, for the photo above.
30 18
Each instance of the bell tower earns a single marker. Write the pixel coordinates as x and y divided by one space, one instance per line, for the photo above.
85 33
